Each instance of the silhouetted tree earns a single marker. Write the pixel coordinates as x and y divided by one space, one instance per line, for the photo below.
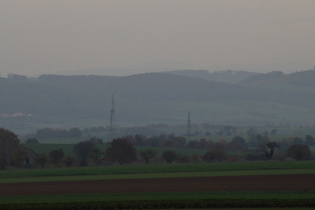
41 159
168 143
45 133
52 133
240 140
20 156
122 151
204 144
75 133
82 150
309 140
258 140
140 140
56 155
96 155
201 144
9 144
299 152
147 155
61 133
169 156
180 141
218 153
270 148
226 130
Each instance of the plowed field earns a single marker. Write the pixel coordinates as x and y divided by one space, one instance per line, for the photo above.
304 182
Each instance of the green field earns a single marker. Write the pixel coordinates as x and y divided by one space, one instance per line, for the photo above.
269 200
157 171
159 199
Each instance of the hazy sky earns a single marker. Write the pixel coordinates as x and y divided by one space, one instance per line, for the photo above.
126 37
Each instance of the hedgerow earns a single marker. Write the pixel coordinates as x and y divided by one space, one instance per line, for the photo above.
169 204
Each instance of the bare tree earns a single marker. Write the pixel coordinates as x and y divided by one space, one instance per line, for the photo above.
269 148
41 159
82 150
147 155
96 155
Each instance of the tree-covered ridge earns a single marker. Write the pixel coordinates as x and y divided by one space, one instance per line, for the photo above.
155 98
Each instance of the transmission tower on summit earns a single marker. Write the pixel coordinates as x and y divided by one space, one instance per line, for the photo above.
188 125
112 115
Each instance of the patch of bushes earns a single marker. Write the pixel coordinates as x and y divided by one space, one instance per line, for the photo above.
169 204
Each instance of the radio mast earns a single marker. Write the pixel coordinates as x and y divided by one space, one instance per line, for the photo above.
188 125
112 116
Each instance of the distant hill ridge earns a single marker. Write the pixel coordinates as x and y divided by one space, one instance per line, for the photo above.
157 97
228 76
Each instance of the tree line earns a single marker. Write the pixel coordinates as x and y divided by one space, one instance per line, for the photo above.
162 148
138 148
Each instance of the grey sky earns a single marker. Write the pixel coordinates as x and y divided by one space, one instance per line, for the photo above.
126 37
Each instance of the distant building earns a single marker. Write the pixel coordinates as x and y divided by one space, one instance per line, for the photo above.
30 157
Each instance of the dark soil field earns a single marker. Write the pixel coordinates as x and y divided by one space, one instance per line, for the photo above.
302 182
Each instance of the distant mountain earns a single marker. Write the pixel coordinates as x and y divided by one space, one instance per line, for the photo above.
122 70
275 75
54 100
228 76
303 80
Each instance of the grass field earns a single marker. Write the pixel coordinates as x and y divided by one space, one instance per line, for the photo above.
161 200
157 171
49 178
157 196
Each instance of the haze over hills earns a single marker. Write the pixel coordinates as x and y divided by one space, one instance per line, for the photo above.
55 100
228 76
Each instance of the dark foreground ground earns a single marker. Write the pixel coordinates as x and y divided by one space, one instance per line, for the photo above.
302 182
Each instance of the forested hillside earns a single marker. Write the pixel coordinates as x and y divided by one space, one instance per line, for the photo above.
228 76
30 103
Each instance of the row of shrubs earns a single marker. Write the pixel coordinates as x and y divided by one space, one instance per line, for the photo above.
169 204
122 151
